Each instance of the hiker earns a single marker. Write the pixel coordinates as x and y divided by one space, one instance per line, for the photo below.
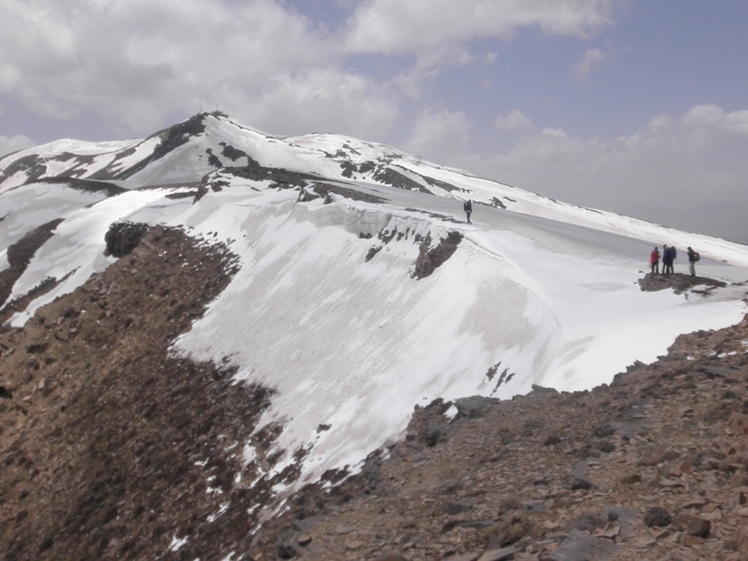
693 256
665 259
654 261
468 207
673 255
668 256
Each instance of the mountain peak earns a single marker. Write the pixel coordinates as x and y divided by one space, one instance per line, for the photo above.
199 360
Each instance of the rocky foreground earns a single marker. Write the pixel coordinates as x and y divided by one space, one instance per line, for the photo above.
654 466
112 449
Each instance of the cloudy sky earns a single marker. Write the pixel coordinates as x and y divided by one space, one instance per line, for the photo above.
634 106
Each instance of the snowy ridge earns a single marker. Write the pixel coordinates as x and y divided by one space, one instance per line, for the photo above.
189 151
325 308
72 159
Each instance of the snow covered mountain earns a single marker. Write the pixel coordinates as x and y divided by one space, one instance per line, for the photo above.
360 291
187 152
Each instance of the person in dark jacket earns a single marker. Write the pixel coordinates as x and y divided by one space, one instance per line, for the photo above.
654 261
666 260
692 258
468 207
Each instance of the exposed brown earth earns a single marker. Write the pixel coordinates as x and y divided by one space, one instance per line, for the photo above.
111 448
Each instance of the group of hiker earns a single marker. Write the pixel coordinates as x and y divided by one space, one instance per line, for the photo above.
668 255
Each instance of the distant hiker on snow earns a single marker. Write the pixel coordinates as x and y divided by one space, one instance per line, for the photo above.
468 207
654 261
693 256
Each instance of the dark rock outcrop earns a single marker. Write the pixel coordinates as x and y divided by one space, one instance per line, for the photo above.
123 237
431 258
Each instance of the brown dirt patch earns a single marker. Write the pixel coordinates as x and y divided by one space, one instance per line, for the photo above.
111 448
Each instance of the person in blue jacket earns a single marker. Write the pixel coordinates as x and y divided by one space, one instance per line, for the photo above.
667 262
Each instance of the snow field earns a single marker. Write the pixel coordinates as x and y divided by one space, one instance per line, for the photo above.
355 344
543 291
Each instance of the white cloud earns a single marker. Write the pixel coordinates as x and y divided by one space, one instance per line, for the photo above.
712 116
702 129
515 121
323 100
439 136
591 62
395 27
663 172
139 62
139 65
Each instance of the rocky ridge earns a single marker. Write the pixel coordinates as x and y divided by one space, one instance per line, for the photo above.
113 449
110 447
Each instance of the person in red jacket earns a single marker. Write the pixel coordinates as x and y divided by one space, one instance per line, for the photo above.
654 261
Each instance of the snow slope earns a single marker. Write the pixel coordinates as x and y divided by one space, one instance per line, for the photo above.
325 308
353 344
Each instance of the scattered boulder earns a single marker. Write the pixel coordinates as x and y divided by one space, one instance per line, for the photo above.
604 430
510 529
631 479
579 546
458 507
694 525
589 522
435 433
657 517
473 406
36 348
577 478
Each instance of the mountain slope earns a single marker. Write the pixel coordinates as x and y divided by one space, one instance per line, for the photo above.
352 296
114 448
